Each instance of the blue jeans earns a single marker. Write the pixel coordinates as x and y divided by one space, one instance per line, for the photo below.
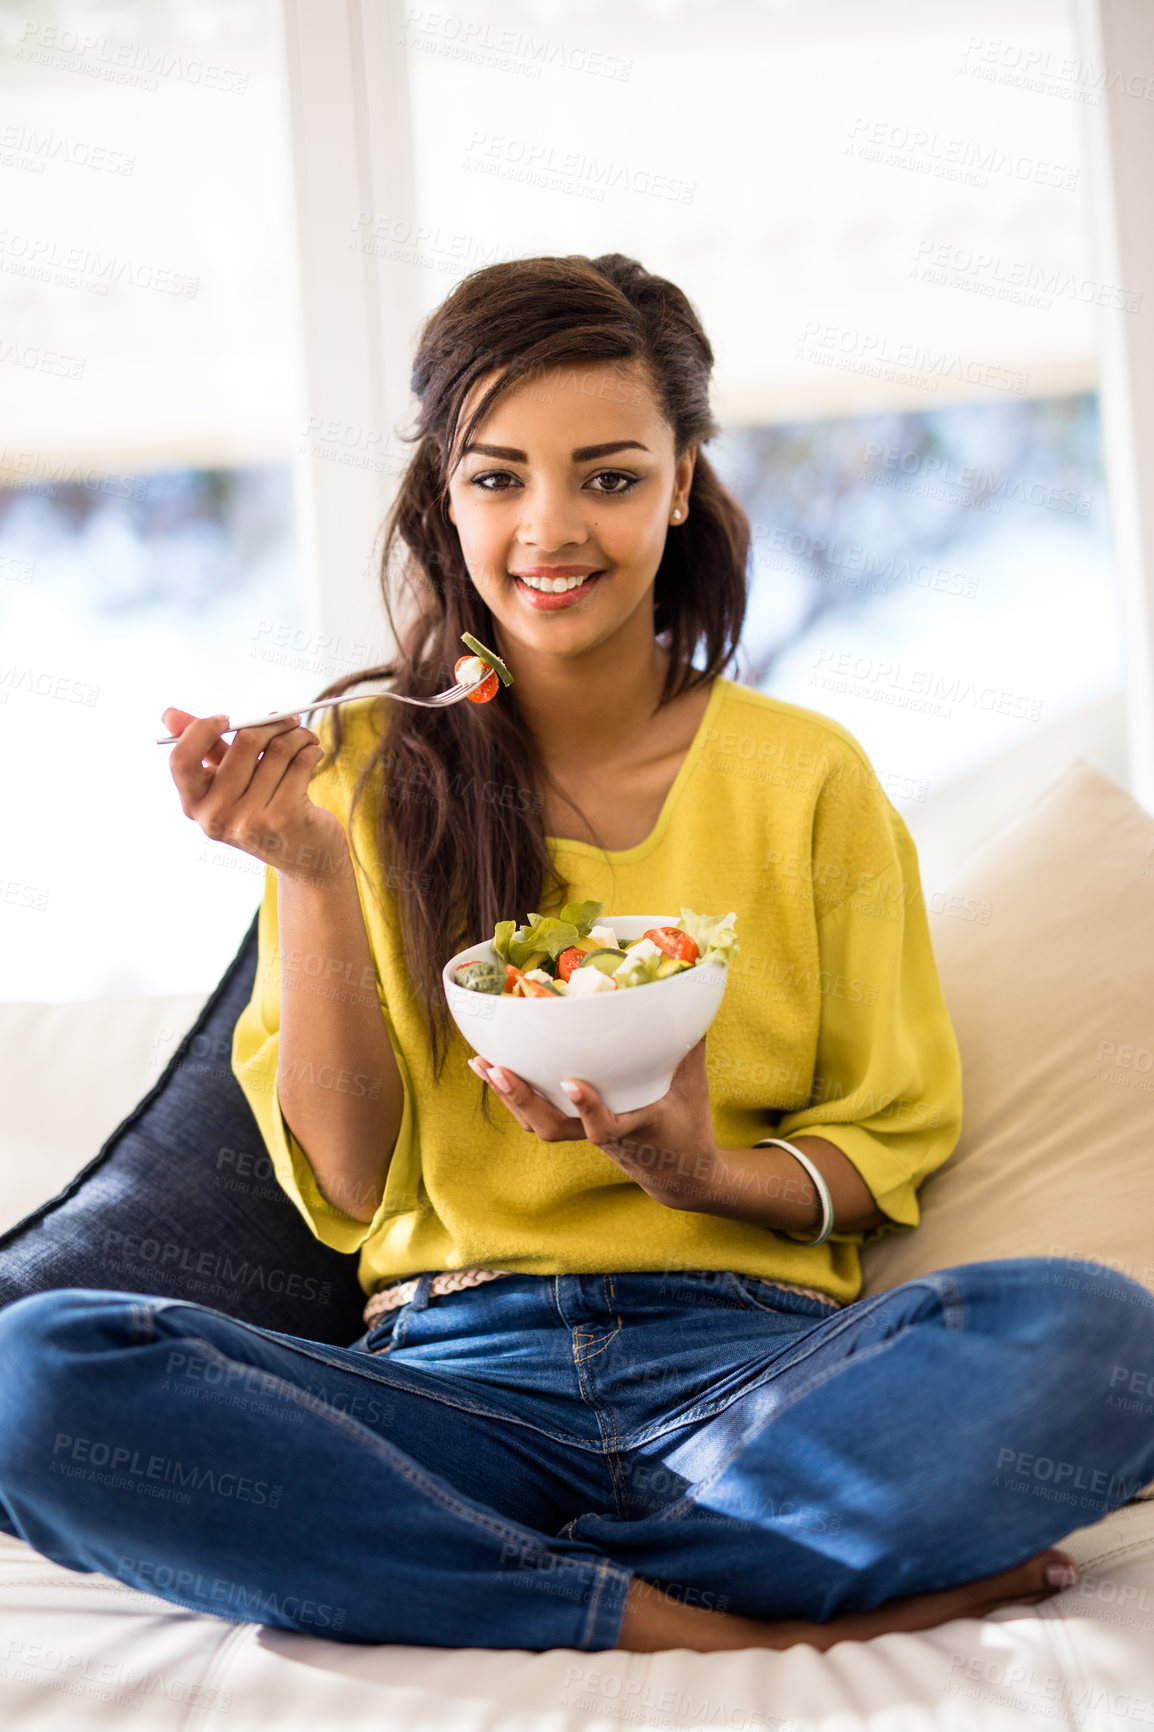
490 1468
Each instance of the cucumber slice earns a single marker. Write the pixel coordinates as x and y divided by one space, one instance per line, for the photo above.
488 655
480 976
606 960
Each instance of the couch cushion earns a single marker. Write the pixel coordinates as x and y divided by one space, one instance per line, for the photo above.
182 1201
83 1652
1045 948
117 1047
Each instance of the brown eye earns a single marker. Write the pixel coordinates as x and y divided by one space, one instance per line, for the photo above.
480 481
628 482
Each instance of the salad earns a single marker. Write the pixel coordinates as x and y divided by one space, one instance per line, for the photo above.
483 665
571 956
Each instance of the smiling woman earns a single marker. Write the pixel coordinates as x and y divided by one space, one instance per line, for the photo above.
556 501
564 363
617 1373
556 498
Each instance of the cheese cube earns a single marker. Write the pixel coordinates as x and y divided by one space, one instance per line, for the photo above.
586 982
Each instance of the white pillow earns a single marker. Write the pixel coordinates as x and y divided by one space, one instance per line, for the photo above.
69 1073
1045 950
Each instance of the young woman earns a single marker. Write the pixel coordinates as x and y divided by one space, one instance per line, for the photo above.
617 1389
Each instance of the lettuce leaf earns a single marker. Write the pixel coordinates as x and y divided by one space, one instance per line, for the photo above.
502 937
583 915
517 945
713 934
637 970
552 933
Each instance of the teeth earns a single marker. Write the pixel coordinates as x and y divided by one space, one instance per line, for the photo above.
554 585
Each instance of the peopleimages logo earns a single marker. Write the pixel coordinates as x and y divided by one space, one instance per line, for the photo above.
24 147
877 354
544 163
509 50
968 160
162 1470
83 267
166 1254
36 360
917 687
252 1604
131 63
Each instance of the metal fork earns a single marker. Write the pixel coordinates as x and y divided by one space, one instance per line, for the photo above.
440 701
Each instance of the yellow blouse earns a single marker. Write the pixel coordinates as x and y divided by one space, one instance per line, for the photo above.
833 1022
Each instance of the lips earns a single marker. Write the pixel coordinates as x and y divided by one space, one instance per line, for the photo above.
555 579
577 585
556 571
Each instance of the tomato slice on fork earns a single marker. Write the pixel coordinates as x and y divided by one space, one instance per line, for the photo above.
488 687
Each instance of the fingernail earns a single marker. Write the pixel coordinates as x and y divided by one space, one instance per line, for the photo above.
474 1065
1061 1575
572 1089
500 1081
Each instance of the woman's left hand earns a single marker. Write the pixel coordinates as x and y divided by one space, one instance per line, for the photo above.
667 1148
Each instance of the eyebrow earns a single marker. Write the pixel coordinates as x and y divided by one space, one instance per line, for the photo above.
582 454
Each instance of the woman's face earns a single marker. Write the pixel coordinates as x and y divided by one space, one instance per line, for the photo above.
571 479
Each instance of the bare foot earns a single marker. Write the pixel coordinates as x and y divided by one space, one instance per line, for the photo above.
653 1621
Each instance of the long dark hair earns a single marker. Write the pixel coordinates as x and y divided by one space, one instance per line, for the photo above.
458 816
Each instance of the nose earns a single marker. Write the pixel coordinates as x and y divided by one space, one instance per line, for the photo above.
551 519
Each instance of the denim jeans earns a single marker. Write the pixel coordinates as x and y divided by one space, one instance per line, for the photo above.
490 1468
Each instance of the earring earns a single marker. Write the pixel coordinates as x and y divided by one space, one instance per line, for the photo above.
677 515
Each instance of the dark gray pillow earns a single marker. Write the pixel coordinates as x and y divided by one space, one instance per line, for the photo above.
182 1201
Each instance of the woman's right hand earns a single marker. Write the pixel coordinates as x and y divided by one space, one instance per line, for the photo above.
252 792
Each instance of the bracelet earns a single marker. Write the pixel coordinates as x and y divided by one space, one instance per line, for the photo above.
822 1189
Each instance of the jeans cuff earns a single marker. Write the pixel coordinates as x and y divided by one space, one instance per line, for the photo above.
609 1586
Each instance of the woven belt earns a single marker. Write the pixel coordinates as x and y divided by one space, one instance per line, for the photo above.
448 1281
456 1280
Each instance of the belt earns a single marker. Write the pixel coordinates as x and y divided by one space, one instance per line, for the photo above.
456 1280
448 1281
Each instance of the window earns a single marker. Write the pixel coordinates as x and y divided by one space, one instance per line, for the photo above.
880 217
148 382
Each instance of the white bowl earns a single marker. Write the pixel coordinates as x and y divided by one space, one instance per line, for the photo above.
626 1043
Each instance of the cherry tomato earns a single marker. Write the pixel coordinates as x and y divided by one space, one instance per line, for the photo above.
569 960
519 986
674 942
486 690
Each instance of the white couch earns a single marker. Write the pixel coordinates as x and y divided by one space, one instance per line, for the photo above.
1055 916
